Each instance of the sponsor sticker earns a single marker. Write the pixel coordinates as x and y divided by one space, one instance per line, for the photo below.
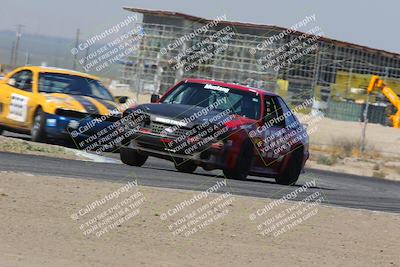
169 121
216 87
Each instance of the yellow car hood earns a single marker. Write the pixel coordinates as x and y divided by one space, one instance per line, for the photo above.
84 104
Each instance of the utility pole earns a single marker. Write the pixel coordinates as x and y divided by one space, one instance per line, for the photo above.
18 37
364 129
12 54
76 46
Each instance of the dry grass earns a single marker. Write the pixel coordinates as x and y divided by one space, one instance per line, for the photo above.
376 167
8 144
379 174
350 147
326 160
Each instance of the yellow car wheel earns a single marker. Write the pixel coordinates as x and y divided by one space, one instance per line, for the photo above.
38 132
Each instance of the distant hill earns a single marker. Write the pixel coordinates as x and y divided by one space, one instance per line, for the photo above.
55 51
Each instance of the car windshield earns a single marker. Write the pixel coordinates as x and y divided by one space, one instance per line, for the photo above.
242 103
72 85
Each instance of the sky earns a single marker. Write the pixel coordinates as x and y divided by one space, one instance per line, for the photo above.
361 22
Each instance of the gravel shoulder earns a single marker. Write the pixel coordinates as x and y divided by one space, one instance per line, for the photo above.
17 145
38 230
21 146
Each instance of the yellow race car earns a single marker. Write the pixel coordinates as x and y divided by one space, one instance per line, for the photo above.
52 103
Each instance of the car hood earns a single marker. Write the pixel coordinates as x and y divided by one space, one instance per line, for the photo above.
191 115
80 103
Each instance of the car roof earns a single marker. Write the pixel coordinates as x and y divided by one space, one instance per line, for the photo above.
232 85
59 70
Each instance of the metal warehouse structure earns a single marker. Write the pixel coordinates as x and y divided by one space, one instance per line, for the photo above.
337 68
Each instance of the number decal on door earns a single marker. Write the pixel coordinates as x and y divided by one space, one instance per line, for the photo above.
18 108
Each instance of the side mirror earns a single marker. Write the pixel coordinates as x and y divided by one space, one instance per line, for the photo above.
11 82
121 99
154 98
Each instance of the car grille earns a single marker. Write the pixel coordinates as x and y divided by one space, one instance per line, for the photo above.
159 128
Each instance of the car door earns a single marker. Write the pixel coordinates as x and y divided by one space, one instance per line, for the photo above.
295 133
271 142
17 99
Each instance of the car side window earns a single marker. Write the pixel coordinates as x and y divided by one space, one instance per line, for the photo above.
291 121
23 80
273 112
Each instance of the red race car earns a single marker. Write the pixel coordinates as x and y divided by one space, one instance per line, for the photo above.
240 130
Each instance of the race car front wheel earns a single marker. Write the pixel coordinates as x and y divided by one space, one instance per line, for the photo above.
132 157
185 166
292 172
38 131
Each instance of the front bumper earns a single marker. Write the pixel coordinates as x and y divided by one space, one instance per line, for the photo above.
208 156
75 129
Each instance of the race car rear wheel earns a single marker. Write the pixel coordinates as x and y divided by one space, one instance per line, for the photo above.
38 131
292 172
185 166
242 164
1 131
132 157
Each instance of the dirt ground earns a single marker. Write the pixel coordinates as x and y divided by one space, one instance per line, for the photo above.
338 141
385 140
39 228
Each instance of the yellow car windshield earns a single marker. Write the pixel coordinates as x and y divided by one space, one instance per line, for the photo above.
72 85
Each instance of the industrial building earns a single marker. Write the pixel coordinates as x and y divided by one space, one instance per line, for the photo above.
335 70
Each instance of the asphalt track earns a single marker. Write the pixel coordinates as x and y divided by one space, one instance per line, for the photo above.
337 189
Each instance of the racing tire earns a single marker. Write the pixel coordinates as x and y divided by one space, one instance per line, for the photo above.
292 172
132 157
185 166
242 164
1 131
38 130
